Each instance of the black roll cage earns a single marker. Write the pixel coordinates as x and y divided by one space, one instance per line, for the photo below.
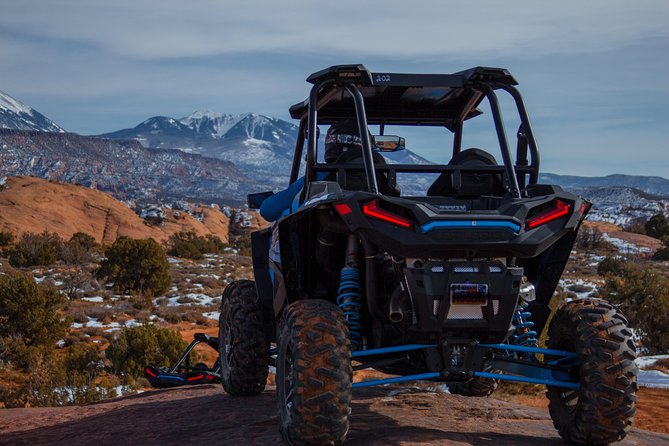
482 80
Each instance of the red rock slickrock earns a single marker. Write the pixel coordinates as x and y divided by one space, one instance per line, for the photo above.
30 204
205 415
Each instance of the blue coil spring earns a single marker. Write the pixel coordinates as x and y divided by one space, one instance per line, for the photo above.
349 301
524 335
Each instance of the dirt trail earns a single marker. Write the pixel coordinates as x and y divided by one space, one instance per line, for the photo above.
205 415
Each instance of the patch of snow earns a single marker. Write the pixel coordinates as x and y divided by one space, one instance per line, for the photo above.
212 315
172 260
653 378
624 246
60 343
566 283
195 299
647 361
97 299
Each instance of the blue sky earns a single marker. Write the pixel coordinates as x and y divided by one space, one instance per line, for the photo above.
595 74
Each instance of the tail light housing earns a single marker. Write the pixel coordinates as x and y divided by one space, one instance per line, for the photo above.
559 210
372 209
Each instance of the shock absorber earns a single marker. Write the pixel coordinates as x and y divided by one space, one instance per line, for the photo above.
524 335
349 301
350 291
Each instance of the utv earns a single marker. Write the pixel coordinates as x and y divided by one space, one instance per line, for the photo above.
451 285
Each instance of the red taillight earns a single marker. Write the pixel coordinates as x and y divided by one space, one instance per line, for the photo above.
372 209
560 210
343 208
150 373
195 377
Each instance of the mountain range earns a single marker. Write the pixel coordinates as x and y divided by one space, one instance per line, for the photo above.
218 157
17 115
259 146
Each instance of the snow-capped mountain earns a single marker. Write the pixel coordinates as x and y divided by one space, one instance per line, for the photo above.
124 169
16 115
260 146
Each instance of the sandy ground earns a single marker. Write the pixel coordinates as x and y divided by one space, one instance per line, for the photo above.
205 415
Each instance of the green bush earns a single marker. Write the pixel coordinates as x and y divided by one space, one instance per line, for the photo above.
643 296
243 244
36 249
138 266
78 249
77 377
30 320
657 226
6 238
192 246
663 253
137 347
610 265
589 238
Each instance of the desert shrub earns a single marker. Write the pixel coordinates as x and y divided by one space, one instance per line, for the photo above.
610 265
35 249
643 296
589 238
29 317
657 226
137 347
192 246
6 238
78 249
135 265
77 377
663 253
243 244
636 227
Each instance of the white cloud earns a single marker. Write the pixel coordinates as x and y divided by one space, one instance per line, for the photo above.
174 28
593 73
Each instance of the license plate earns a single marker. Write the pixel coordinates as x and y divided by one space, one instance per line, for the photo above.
469 294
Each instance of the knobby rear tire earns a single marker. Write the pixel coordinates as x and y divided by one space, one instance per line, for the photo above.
602 410
243 348
314 374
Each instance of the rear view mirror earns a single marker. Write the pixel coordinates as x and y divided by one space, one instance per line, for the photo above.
255 200
389 143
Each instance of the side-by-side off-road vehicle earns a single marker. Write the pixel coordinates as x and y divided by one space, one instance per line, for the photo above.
450 285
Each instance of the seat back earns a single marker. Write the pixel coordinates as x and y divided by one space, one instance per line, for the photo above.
358 180
471 184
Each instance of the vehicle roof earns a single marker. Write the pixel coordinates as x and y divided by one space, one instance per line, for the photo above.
400 98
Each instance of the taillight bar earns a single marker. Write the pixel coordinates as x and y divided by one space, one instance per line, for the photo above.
372 209
560 210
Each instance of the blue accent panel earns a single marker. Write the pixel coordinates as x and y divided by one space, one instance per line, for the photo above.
178 378
520 348
399 379
524 379
469 224
385 350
